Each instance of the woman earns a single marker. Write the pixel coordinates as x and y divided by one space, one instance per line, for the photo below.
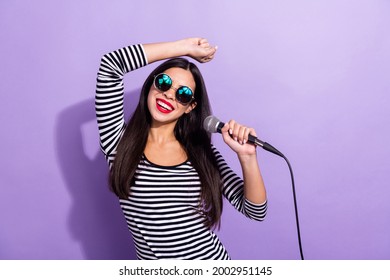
168 176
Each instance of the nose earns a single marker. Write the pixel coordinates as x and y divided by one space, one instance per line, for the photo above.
170 93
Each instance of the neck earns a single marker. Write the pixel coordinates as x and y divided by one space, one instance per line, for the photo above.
162 133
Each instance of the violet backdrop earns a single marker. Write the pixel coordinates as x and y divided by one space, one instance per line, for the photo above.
312 77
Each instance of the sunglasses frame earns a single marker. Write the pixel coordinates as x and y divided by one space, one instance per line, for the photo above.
177 94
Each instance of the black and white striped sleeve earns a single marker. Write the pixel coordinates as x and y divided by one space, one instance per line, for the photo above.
233 190
109 95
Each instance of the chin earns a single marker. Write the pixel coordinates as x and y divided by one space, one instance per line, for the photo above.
158 117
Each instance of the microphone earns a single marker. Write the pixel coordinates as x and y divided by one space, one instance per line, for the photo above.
212 124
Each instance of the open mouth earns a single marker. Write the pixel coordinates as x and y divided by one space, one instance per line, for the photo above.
164 106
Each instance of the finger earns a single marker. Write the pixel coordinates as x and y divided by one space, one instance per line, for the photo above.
213 50
210 54
206 59
248 131
202 41
252 132
204 45
234 129
242 135
225 128
226 134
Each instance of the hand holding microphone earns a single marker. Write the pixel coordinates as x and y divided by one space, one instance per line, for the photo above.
236 136
213 124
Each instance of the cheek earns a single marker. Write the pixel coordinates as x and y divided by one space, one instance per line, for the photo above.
150 99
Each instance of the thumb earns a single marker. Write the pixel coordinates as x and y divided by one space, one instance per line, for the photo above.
226 133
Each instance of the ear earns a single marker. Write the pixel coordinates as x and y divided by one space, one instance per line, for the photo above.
191 107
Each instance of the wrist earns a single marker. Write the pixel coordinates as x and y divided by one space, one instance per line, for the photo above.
165 50
248 159
185 46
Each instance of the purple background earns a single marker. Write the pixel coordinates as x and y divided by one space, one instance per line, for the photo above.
313 78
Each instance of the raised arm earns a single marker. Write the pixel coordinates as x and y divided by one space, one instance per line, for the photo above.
196 48
109 95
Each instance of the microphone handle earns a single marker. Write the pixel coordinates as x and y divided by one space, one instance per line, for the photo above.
255 141
266 146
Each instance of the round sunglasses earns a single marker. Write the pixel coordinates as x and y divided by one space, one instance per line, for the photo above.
163 82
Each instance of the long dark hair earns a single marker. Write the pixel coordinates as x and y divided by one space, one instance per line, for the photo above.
190 133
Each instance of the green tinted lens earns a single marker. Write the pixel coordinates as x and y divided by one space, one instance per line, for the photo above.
163 82
184 94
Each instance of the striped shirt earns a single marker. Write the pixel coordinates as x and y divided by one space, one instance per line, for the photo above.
162 208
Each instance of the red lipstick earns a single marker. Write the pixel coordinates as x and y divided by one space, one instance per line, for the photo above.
164 106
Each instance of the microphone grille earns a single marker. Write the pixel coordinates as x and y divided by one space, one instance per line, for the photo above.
210 124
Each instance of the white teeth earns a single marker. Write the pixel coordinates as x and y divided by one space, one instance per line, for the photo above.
162 104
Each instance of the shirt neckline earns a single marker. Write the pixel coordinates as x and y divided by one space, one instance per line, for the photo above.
163 166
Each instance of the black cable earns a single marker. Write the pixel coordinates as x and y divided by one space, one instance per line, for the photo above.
272 149
295 207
